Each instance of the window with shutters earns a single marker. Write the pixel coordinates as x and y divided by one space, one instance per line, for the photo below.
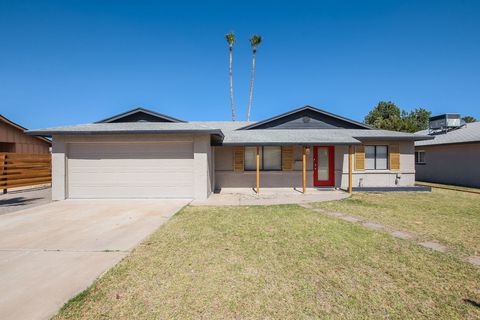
376 157
270 158
238 159
287 158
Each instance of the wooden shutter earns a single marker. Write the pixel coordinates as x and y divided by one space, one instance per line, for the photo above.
360 158
238 159
287 158
394 151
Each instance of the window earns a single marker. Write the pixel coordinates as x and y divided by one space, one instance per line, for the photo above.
7 147
270 158
420 157
376 157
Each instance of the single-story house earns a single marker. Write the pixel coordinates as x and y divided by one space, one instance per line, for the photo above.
144 154
452 157
14 140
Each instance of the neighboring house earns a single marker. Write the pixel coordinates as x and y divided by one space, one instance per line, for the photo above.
453 157
143 154
13 139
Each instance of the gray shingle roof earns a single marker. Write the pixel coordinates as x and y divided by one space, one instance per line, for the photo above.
312 136
466 134
130 127
231 136
288 136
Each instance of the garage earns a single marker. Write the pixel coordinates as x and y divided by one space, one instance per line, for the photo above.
130 170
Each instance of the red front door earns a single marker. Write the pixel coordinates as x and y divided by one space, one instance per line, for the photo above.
324 166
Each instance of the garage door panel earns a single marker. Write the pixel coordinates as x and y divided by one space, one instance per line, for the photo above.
116 170
154 151
129 165
125 192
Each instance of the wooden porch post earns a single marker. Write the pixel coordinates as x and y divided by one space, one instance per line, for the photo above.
349 169
258 169
304 170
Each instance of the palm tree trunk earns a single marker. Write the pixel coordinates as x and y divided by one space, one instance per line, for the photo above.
231 84
251 84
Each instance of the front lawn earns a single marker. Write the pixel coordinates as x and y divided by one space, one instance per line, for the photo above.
451 217
278 262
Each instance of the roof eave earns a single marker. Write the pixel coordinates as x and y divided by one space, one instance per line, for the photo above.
289 143
50 133
447 143
394 138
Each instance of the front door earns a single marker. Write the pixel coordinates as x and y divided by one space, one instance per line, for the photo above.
324 166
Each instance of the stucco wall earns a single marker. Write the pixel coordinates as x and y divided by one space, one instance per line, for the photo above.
456 164
201 171
405 177
225 177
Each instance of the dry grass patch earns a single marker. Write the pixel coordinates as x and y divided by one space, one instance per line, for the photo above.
451 217
277 262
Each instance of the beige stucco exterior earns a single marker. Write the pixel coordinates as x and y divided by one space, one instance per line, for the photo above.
456 164
225 177
405 177
212 167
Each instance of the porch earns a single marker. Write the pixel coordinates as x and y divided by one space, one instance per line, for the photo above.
293 167
270 196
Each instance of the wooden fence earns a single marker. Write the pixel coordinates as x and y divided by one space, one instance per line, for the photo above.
20 170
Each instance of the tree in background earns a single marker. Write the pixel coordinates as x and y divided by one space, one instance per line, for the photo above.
255 40
469 119
231 40
387 116
415 120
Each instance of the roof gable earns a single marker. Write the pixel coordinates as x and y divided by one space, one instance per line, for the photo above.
307 117
21 128
139 115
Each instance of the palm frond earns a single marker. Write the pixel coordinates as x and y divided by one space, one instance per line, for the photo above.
255 40
230 38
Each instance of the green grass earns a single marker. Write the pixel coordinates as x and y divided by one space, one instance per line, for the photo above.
278 262
451 217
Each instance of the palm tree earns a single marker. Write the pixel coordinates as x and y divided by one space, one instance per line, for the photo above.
255 40
231 40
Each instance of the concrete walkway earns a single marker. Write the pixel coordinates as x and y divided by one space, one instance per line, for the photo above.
50 253
269 196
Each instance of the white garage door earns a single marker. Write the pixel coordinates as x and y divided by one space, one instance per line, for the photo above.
130 170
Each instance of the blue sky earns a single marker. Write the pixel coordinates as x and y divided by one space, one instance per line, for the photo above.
69 62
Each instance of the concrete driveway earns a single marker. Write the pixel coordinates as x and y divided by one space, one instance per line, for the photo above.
21 199
50 253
